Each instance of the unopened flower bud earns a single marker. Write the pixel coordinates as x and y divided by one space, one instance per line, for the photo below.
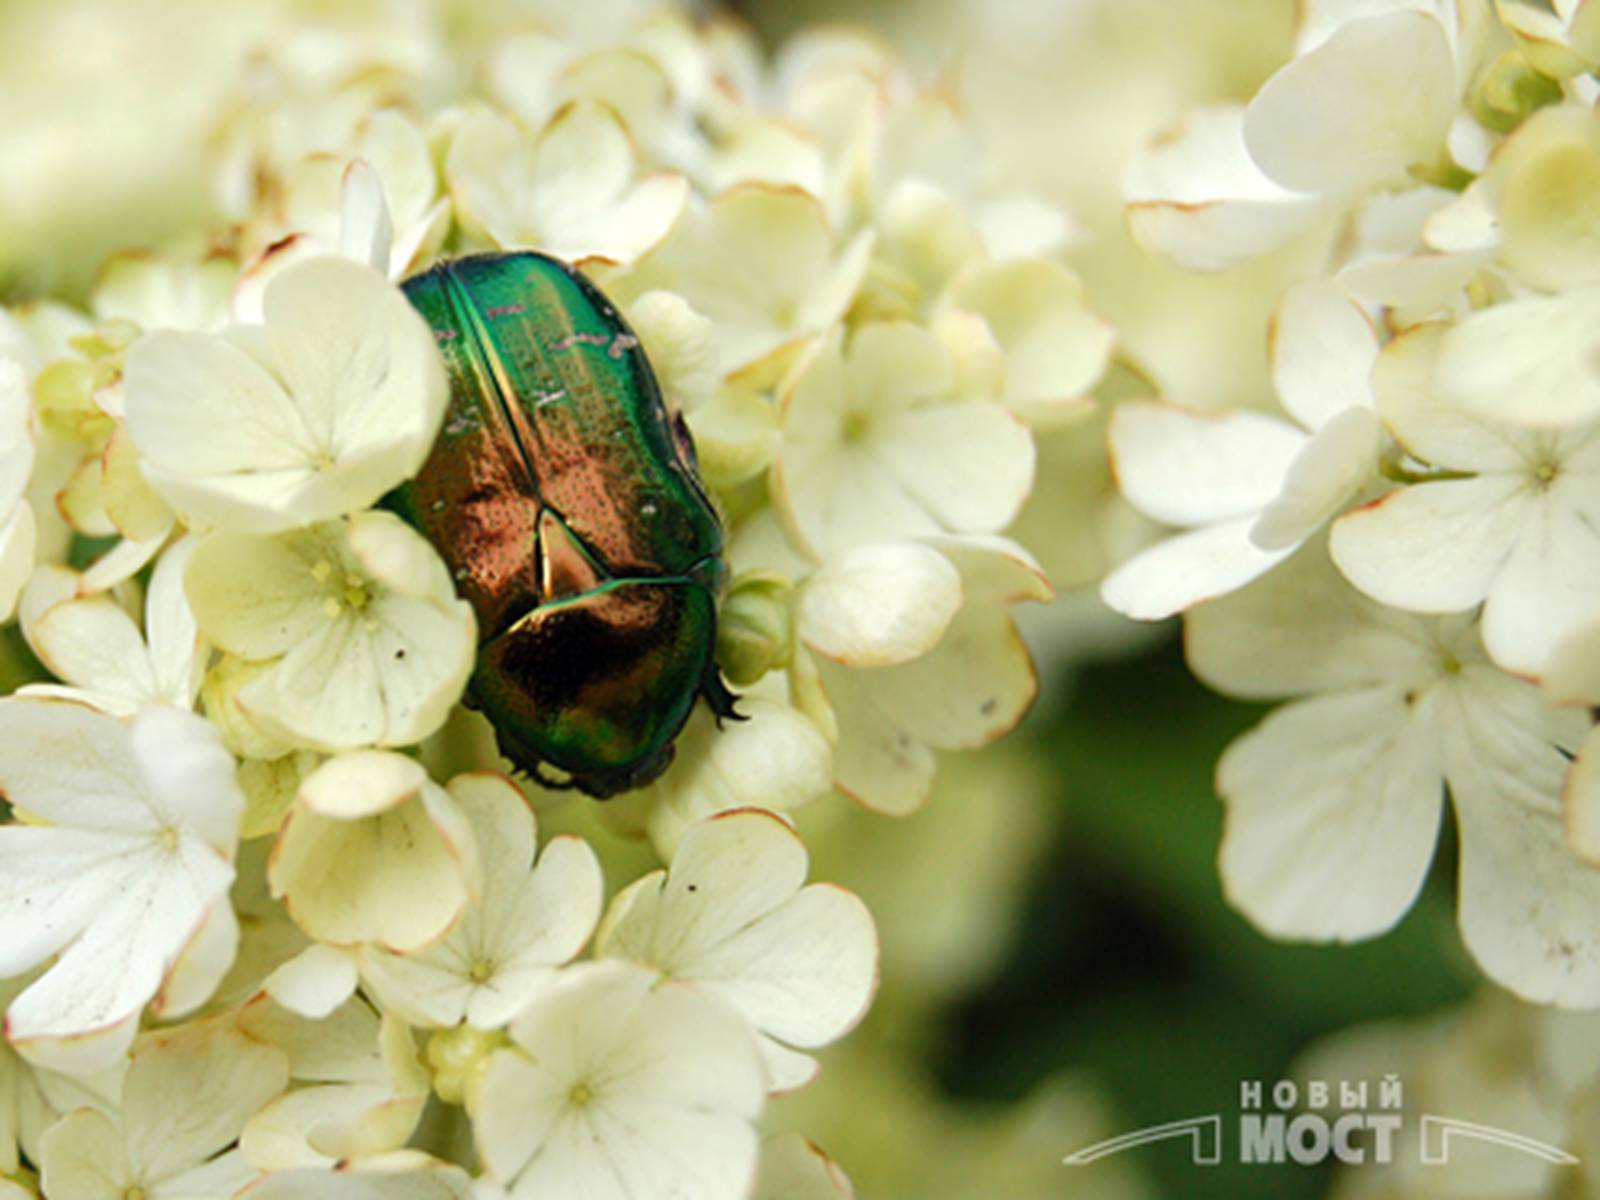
755 631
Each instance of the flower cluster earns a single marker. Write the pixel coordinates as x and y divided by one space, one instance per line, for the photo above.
260 869
1408 551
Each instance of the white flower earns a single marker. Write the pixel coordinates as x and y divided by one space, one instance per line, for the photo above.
1529 362
138 852
353 222
362 1087
731 916
617 1087
374 851
573 192
529 919
329 405
1249 486
886 440
395 1175
910 647
211 1074
1494 1061
380 204
642 61
1372 98
1334 801
1368 101
32 1098
1511 526
762 264
792 1168
1197 197
17 532
1055 349
774 759
165 293
92 645
365 640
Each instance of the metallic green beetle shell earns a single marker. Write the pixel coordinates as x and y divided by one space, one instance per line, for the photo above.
566 503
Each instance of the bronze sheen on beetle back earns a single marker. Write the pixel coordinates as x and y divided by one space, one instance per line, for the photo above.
567 505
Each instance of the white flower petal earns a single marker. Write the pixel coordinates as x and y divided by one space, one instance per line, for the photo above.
18 534
1189 468
201 966
877 762
669 1082
730 916
359 362
1323 348
84 1157
792 1168
1413 405
1526 901
972 688
1531 362
335 402
319 1126
400 1175
116 963
93 643
1197 197
314 982
1432 547
1338 461
1543 179
879 604
209 1072
775 759
365 229
260 597
1302 629
401 876
1333 811
123 561
529 919
1359 109
1056 350
1545 589
787 1070
1177 574
970 466
200 405
170 631
124 880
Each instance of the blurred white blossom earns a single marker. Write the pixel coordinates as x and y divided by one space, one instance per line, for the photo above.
129 854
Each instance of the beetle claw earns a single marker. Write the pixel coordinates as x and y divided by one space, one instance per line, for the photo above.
724 702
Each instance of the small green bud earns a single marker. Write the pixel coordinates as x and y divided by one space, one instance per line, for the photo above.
456 1059
1511 91
63 394
755 630
109 339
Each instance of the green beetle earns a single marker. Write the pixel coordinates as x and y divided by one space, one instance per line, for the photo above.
568 506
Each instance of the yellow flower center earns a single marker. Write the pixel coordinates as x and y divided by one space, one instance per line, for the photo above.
482 970
855 427
580 1095
356 594
353 592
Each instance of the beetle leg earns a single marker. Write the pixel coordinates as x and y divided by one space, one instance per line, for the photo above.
536 773
724 702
